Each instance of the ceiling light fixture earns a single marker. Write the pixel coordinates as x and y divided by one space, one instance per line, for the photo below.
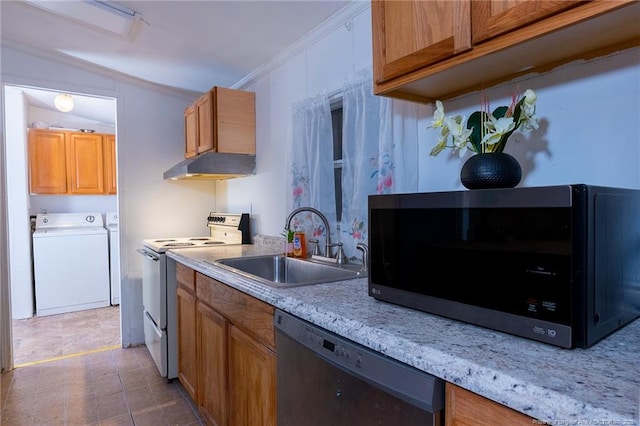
63 102
102 14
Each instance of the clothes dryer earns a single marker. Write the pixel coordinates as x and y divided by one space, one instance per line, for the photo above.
114 257
71 262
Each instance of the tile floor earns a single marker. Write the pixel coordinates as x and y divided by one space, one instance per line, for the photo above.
50 336
84 380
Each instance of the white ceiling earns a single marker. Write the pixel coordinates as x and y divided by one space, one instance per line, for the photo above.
89 108
188 45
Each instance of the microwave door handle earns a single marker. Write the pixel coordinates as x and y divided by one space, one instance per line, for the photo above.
147 255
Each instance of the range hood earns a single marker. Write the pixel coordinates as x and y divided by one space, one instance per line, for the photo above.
213 166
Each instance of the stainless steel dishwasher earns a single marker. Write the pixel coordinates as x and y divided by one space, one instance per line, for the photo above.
325 379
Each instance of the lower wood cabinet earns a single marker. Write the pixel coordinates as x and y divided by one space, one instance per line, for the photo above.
465 408
232 345
212 368
187 341
252 378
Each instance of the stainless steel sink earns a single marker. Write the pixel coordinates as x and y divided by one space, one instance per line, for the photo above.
281 271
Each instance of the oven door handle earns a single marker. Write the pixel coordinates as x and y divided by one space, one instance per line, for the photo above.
153 323
148 255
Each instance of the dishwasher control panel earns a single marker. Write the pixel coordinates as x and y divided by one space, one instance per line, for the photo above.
325 342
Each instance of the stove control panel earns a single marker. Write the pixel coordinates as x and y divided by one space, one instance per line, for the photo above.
217 219
230 225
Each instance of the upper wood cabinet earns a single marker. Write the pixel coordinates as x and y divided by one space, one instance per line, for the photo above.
62 162
110 160
47 162
492 18
428 50
221 120
406 37
190 132
206 121
85 161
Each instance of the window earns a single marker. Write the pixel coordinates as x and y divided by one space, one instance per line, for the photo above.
336 125
367 144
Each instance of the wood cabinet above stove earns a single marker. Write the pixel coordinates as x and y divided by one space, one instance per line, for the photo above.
221 120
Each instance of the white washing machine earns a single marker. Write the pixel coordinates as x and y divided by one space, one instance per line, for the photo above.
114 256
71 262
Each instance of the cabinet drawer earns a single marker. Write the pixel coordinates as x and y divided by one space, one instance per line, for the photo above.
254 317
186 277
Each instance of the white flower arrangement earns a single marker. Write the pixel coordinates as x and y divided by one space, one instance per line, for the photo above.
484 132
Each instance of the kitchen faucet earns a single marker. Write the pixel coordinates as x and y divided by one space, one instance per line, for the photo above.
327 231
365 255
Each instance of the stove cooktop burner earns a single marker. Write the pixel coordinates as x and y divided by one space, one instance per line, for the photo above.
179 244
199 239
214 242
163 241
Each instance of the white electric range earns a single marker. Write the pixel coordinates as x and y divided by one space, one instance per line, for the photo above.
159 293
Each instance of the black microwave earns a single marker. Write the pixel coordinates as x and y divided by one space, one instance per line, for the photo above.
556 264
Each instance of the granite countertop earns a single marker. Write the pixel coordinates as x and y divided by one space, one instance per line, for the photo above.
599 385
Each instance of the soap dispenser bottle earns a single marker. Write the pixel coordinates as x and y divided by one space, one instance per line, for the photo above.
299 245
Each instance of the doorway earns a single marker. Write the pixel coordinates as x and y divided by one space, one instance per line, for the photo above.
33 107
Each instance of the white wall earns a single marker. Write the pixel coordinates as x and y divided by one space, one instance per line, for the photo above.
589 130
6 361
18 201
68 120
150 139
72 204
589 127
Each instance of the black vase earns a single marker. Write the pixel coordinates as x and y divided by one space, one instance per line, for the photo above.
491 170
